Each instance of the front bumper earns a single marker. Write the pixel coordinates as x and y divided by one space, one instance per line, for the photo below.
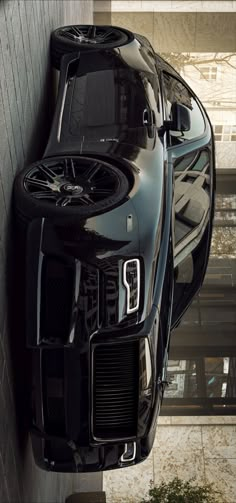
62 421
73 450
55 455
63 435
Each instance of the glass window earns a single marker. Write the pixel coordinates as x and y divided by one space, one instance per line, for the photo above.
176 92
87 115
192 203
218 129
191 192
216 372
203 377
183 379
208 72
201 162
185 162
224 133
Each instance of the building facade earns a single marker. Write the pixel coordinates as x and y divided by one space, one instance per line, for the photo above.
196 434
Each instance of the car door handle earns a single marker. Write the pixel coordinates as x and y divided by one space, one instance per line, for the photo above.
147 118
149 121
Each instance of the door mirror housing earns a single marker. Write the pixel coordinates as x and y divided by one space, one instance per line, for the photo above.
181 120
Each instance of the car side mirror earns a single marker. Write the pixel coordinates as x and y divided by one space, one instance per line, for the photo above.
181 120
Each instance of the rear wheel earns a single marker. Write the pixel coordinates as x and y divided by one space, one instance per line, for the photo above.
69 186
83 37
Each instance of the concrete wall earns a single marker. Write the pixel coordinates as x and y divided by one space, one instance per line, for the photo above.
200 447
165 5
178 31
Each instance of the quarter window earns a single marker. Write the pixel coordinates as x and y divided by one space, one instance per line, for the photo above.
176 91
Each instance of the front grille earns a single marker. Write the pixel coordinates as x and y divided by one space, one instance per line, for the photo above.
115 390
53 391
57 286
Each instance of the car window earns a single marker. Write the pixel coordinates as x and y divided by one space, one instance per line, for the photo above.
177 92
192 199
192 226
87 114
189 274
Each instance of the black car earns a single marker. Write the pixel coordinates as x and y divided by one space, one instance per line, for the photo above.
118 215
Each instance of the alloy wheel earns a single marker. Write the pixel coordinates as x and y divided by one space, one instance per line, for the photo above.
92 34
71 182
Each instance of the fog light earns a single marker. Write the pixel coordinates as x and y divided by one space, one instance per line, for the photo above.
129 453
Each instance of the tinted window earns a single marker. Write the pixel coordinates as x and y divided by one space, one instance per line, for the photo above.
192 204
176 92
188 276
124 92
192 198
110 104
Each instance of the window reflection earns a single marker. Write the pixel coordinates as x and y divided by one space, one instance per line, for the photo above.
216 373
178 93
191 193
183 379
209 377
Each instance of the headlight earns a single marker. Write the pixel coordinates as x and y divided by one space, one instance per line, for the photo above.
131 279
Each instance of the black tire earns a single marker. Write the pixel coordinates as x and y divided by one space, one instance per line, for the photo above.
61 43
81 200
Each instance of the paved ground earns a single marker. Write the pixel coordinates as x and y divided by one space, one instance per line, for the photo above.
25 106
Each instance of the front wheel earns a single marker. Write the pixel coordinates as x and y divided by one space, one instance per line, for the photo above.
83 37
66 186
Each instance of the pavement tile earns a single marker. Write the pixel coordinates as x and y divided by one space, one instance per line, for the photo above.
2 362
4 495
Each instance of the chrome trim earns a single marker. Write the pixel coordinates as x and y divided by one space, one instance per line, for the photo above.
129 460
127 286
75 301
40 263
129 223
61 112
145 117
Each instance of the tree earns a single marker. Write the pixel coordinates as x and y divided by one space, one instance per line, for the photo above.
178 491
181 59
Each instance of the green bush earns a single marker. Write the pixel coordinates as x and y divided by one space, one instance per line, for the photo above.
178 491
